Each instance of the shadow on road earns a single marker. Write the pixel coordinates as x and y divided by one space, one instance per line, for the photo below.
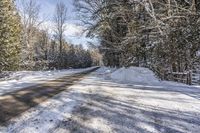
14 103
108 108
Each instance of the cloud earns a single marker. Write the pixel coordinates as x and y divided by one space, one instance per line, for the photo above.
73 30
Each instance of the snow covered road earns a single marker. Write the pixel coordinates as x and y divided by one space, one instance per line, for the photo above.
22 79
18 101
99 105
112 107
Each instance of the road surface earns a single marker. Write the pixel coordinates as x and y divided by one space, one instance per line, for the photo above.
110 107
103 106
14 103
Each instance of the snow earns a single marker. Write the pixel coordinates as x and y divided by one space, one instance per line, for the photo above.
96 104
143 77
23 79
135 75
198 53
104 70
44 117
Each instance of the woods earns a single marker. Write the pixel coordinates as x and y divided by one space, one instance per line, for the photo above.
27 43
162 35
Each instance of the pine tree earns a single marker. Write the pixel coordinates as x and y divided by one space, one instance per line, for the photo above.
10 30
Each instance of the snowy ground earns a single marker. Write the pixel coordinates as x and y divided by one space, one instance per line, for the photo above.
143 77
24 79
99 104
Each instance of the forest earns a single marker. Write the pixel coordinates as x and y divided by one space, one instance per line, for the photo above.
26 43
163 35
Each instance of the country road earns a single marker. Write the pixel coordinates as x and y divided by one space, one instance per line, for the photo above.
97 105
14 103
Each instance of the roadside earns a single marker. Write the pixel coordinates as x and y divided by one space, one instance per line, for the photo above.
23 79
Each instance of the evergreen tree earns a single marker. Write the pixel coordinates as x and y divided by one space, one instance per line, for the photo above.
9 36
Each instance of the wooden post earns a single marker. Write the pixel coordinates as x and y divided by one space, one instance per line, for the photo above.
189 78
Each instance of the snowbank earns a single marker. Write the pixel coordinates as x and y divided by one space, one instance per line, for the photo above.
144 77
135 75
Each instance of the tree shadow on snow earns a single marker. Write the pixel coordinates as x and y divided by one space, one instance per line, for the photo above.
128 115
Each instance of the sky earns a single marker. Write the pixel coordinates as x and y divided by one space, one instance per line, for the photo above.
74 31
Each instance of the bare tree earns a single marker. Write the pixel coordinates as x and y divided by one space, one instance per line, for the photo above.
29 11
60 19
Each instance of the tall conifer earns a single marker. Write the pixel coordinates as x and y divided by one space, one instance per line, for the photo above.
10 31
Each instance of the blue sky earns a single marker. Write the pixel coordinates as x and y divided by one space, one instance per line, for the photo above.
74 30
48 7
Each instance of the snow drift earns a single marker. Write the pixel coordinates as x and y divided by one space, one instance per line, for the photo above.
135 75
144 77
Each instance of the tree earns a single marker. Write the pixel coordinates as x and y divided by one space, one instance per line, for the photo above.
161 34
10 31
60 18
42 45
29 11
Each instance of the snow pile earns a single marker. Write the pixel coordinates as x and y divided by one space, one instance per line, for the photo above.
135 75
143 77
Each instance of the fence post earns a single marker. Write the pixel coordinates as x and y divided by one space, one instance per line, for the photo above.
189 78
